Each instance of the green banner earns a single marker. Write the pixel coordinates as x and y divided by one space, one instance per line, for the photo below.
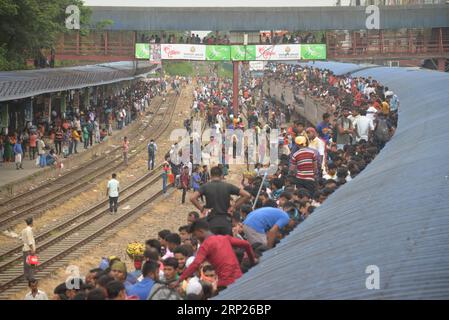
243 53
313 51
218 53
142 51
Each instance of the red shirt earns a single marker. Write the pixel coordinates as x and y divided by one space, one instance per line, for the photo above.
218 251
185 180
33 138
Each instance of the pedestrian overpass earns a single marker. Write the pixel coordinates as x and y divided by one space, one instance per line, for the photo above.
399 36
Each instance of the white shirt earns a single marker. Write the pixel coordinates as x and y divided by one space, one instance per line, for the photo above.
353 119
113 186
40 295
328 177
190 167
371 112
363 126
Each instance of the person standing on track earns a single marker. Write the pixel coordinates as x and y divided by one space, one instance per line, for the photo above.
125 147
113 192
29 248
152 148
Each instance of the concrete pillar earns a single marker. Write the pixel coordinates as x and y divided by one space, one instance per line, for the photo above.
441 64
63 104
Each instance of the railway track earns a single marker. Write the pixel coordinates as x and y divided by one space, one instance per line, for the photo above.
48 196
84 231
75 170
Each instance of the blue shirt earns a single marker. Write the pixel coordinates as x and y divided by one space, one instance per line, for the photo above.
141 289
131 278
196 179
263 219
394 102
18 148
322 125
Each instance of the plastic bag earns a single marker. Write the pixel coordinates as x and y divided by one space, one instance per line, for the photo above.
32 260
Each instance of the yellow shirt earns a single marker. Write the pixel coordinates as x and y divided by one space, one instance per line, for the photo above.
75 135
385 108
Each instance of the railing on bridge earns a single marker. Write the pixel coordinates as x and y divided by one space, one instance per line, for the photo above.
342 45
97 45
384 44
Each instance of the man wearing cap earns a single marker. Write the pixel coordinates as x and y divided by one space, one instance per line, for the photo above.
304 164
119 273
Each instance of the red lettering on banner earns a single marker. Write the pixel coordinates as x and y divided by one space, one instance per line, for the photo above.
171 52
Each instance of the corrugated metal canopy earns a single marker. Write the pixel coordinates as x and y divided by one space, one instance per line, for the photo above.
23 84
395 214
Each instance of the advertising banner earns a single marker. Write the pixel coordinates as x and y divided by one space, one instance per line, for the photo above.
313 51
183 52
155 54
158 52
278 52
218 53
142 51
243 53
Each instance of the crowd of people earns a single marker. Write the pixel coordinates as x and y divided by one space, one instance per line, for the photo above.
234 225
278 37
49 142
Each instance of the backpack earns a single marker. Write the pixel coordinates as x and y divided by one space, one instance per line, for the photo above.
90 127
151 149
382 132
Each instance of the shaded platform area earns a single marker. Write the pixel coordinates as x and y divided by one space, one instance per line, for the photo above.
394 215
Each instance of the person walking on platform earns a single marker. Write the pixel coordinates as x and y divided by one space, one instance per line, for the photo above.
75 140
152 148
29 248
85 137
33 139
18 154
125 147
113 193
59 136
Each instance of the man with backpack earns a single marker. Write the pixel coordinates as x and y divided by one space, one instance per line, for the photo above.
152 148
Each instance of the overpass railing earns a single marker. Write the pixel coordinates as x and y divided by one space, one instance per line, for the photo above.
361 45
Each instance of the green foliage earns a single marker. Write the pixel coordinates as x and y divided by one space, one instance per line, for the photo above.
28 25
203 68
103 24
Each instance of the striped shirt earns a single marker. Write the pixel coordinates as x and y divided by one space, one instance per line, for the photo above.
304 160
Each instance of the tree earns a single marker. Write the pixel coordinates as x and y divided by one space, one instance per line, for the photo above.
26 26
